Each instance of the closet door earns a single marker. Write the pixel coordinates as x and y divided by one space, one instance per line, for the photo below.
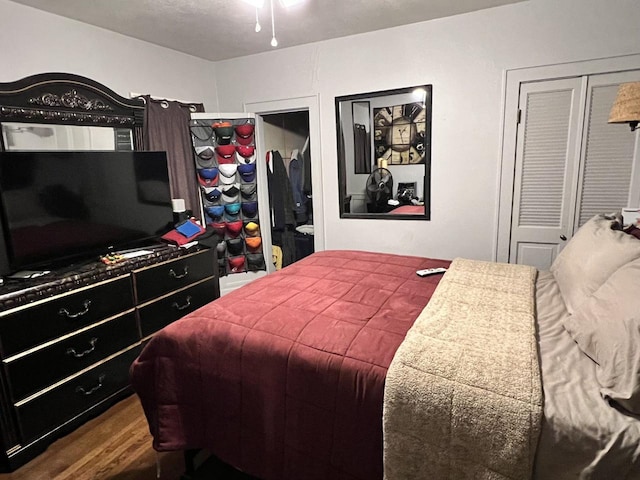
609 152
570 165
545 182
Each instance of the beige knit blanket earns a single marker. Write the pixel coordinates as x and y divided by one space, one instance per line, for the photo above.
463 398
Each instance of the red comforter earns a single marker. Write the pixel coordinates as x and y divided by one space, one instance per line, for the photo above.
284 377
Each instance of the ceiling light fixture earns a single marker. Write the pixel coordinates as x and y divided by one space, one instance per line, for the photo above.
290 3
274 41
258 27
259 4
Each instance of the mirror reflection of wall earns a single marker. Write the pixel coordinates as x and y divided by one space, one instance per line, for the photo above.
391 130
17 136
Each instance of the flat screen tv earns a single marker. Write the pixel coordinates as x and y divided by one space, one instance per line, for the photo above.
61 207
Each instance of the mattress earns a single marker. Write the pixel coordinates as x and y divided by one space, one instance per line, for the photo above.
583 436
284 378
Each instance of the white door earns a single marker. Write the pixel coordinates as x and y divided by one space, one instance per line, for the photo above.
547 150
570 163
609 152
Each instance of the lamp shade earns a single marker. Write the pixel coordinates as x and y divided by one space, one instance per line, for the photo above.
626 108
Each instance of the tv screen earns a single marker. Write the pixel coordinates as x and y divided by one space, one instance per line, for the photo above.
60 206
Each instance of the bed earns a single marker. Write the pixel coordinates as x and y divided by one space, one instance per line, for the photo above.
408 210
346 365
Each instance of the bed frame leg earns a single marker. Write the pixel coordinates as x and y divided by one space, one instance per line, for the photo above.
189 464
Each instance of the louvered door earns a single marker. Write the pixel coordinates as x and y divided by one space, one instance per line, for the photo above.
546 174
570 163
607 158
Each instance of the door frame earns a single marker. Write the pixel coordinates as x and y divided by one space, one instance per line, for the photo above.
310 104
512 79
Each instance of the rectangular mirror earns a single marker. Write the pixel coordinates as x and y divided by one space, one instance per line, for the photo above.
384 153
18 136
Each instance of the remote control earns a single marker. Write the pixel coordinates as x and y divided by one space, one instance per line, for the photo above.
430 271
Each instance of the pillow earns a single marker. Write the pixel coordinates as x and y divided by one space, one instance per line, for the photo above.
606 327
597 250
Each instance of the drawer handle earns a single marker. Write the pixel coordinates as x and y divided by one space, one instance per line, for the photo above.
64 311
182 307
93 389
178 276
72 351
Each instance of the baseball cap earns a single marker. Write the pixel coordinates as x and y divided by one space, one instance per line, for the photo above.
223 134
244 141
247 172
245 130
248 191
253 243
250 209
235 246
236 264
233 229
212 194
252 229
208 177
246 153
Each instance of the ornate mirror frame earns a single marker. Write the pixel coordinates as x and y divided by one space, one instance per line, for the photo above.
68 99
410 107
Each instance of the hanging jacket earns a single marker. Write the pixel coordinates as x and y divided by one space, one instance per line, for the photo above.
280 194
281 206
296 178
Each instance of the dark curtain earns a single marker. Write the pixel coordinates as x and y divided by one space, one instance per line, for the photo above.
362 145
166 128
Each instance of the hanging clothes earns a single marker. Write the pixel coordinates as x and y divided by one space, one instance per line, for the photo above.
296 178
276 257
282 207
306 167
306 178
362 144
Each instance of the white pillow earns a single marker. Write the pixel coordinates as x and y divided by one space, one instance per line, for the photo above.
607 328
595 252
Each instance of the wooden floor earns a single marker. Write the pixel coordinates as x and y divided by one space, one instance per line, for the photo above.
113 446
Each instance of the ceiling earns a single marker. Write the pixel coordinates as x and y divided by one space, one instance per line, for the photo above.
223 29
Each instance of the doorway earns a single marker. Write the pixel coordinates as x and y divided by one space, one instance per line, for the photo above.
307 113
288 149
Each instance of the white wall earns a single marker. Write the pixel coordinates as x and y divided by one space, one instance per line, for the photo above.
283 140
33 42
464 58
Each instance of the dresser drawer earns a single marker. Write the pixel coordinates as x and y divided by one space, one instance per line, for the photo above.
62 403
160 313
34 371
152 282
29 326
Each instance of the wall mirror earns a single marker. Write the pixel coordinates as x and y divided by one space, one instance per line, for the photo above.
43 136
62 111
384 153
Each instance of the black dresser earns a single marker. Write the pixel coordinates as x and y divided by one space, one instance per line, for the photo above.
67 341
